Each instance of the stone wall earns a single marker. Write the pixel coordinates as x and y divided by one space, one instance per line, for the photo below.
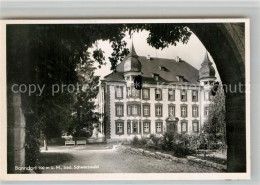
16 134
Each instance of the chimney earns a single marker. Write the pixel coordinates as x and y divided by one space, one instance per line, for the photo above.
148 57
177 59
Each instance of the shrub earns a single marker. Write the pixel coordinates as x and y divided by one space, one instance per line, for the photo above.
150 144
154 139
184 144
135 141
168 139
143 141
56 141
157 141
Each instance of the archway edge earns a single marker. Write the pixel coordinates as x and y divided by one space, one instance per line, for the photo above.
226 44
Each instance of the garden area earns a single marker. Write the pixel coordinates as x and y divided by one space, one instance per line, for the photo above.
183 145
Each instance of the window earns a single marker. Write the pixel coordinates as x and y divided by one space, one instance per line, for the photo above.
119 110
156 76
195 126
206 111
119 92
146 109
132 92
184 127
135 93
146 94
195 111
119 128
135 127
146 127
133 110
129 92
158 110
128 127
207 95
194 95
184 111
183 95
158 127
171 110
162 68
129 112
171 95
158 94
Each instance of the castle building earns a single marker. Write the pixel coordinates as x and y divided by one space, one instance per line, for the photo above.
175 96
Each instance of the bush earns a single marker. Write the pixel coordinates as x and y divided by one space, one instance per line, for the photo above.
184 145
157 141
56 141
168 139
154 139
150 144
143 141
135 141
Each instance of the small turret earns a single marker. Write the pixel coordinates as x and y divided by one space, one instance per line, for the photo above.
132 64
207 70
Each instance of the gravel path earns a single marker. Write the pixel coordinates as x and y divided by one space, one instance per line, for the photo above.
105 159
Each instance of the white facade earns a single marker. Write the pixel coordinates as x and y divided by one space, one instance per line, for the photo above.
203 101
160 106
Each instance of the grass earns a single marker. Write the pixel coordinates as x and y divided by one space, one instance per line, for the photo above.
51 159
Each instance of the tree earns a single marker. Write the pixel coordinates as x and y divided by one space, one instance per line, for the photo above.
84 105
214 130
48 54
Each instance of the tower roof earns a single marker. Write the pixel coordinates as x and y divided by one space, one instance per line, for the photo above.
206 70
132 52
131 62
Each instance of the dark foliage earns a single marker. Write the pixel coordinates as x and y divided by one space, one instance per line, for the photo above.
168 139
49 54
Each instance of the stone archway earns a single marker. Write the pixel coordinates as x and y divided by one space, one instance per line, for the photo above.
226 44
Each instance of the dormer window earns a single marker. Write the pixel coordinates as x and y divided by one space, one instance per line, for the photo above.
180 78
162 68
155 76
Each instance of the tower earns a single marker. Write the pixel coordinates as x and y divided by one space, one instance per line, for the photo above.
207 73
206 79
132 66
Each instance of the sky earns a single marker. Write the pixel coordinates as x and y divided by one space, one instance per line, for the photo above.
193 52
